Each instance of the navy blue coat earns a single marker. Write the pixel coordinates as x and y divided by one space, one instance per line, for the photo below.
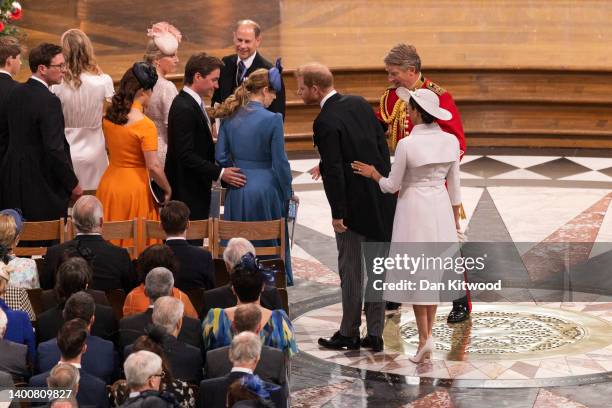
99 360
92 390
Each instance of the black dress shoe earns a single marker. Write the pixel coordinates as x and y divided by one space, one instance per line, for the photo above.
392 306
339 342
458 314
375 343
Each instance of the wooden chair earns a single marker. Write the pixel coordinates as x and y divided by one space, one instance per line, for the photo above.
201 229
116 298
285 299
253 231
113 230
279 266
151 229
40 231
35 296
221 272
196 295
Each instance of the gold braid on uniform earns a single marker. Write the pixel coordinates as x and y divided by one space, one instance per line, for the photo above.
396 121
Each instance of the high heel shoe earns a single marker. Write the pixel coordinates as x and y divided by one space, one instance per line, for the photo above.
424 353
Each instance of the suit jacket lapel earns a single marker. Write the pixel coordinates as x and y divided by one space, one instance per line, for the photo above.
195 106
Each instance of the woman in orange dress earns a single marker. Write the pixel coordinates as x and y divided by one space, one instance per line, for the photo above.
131 140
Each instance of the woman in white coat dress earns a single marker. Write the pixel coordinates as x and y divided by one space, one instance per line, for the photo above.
426 210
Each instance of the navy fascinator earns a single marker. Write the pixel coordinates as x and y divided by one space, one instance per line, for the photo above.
146 74
274 76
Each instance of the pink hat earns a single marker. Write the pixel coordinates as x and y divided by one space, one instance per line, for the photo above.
166 37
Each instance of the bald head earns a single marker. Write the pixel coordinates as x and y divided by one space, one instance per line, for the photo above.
316 74
249 24
87 214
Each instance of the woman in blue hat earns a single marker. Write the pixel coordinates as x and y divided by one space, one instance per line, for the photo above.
252 139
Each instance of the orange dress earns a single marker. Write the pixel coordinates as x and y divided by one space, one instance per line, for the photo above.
137 302
124 187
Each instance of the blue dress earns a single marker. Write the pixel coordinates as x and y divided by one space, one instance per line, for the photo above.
19 329
252 139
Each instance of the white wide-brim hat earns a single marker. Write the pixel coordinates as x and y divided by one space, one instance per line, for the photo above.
426 99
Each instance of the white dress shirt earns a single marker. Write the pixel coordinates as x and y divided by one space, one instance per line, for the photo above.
247 62
5 72
40 80
326 97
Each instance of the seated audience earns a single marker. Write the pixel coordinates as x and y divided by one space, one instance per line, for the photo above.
185 360
196 269
271 366
248 283
25 274
159 282
17 299
100 360
72 339
223 296
153 257
74 276
112 266
64 376
19 329
50 298
184 393
244 353
13 356
144 374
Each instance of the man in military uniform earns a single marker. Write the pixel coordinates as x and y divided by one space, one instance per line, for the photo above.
403 66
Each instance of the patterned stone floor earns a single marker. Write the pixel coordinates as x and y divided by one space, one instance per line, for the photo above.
533 197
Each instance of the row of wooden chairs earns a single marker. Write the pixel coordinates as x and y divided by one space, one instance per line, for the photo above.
116 297
213 232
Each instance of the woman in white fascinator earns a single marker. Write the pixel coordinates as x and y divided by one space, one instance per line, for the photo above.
427 212
161 52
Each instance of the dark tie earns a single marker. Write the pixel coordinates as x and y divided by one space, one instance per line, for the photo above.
240 72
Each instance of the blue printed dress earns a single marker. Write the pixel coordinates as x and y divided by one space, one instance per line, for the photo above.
278 332
252 139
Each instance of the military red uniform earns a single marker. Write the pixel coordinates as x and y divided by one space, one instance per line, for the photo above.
392 112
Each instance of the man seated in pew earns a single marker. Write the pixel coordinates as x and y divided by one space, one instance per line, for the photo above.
64 377
184 360
244 353
72 341
223 297
73 276
158 282
112 266
271 366
195 264
102 360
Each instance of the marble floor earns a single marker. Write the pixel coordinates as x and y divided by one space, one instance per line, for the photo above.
548 353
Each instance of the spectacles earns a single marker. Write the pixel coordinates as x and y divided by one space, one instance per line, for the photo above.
161 375
60 66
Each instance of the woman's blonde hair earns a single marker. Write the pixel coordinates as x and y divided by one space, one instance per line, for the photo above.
79 55
252 84
8 231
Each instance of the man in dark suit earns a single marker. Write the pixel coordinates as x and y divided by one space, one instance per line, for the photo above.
159 282
244 354
72 341
190 162
13 356
271 366
196 269
347 130
74 276
247 38
36 173
223 296
10 63
185 360
112 266
100 360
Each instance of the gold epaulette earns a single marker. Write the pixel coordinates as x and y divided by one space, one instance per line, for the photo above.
435 88
395 119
